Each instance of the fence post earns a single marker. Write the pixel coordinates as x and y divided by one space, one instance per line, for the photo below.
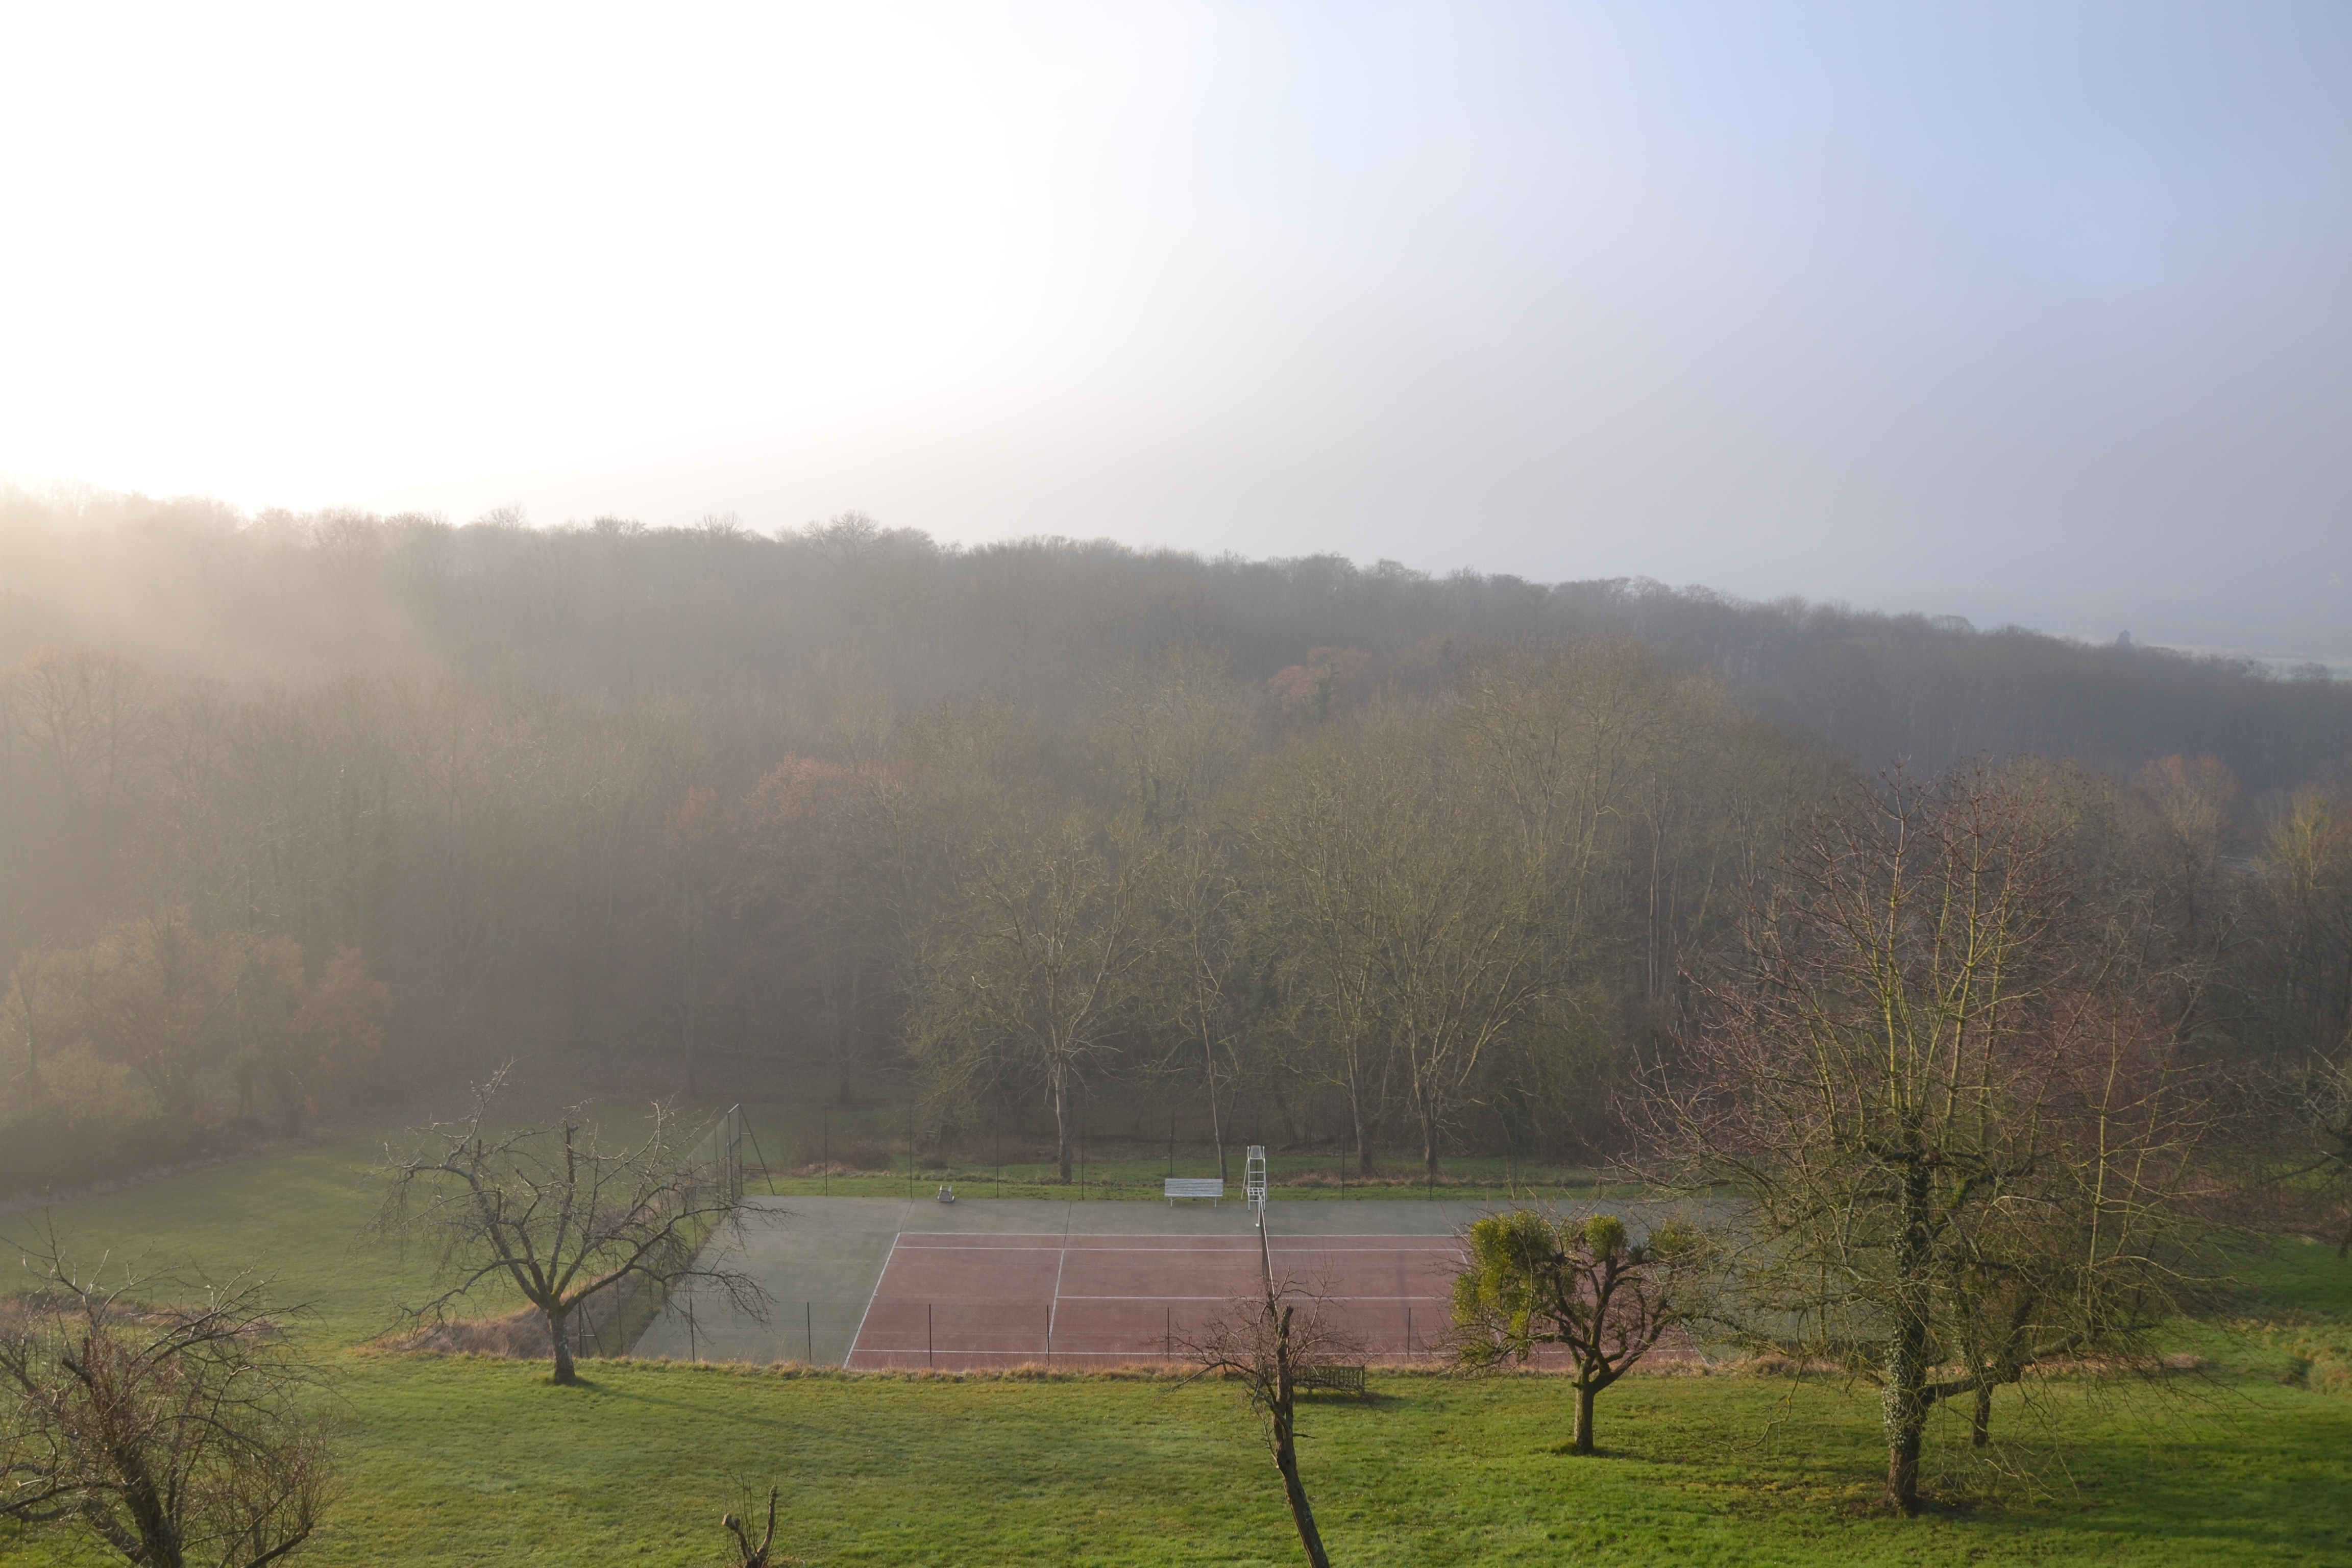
808 1325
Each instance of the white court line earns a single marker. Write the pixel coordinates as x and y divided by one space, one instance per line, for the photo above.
1017 1241
1184 1235
1053 1313
852 1352
1178 1235
1156 1298
1144 1354
1195 1251
969 1304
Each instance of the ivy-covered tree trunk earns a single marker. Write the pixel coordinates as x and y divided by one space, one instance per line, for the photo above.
1903 1399
559 1328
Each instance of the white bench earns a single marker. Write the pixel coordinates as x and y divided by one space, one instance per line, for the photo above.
1210 1187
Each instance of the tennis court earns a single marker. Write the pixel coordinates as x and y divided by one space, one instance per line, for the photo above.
990 1284
958 1300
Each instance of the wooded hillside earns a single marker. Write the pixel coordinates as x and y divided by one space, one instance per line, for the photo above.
299 815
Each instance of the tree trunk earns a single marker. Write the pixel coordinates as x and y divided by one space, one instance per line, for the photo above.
1363 1141
1216 1114
1981 1428
1062 1151
1903 1443
845 1039
1585 1394
1285 1447
1301 1514
686 918
559 1328
1903 1399
1429 1146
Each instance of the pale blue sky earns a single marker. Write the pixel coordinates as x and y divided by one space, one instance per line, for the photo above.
2036 310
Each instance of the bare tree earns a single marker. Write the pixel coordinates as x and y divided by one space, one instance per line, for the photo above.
1263 1345
550 1210
1041 960
2318 1141
1313 840
2301 980
174 1424
1413 933
747 1554
1534 1278
1955 1134
1208 957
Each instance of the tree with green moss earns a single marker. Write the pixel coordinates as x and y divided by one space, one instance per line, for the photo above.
1953 1125
1535 1279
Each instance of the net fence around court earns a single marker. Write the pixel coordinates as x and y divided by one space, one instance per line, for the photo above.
816 1149
967 1335
612 1322
907 1335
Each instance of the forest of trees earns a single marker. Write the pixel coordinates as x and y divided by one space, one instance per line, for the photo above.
303 816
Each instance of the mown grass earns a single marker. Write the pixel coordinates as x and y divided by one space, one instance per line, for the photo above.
867 1149
458 1461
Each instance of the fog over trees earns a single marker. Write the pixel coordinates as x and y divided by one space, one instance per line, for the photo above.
310 817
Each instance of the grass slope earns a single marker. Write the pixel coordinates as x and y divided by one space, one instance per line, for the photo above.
455 1460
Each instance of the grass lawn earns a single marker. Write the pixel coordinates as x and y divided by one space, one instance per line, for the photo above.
452 1460
791 1138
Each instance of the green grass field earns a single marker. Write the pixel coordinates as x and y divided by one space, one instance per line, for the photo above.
1109 1168
455 1460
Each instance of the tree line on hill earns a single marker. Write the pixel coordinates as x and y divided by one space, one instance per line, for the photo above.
302 814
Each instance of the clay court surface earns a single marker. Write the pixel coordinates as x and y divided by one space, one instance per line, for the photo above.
964 1301
988 1284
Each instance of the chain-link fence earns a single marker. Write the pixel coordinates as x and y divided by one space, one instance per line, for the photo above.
827 1150
964 1335
611 1321
1097 1334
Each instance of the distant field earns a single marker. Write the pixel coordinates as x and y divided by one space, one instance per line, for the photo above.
461 1461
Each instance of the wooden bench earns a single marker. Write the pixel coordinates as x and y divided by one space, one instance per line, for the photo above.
1210 1187
1326 1378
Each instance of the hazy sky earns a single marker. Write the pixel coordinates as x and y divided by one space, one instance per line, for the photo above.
2039 310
